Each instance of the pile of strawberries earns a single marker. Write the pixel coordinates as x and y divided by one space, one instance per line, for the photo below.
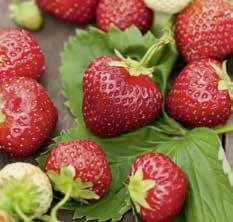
119 96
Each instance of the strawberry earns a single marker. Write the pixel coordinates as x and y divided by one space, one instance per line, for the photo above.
205 30
27 116
119 94
201 94
24 190
167 6
79 169
76 11
117 100
157 187
123 14
20 54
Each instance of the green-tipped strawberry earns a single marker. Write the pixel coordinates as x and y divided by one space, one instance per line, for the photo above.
157 187
26 14
25 192
78 169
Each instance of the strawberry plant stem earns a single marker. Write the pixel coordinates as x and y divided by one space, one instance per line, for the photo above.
224 129
60 204
21 214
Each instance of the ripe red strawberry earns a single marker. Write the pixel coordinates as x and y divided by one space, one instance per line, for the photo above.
158 187
200 96
27 116
76 11
88 161
205 30
123 14
118 99
20 54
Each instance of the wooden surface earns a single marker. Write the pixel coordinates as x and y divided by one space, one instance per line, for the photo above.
51 39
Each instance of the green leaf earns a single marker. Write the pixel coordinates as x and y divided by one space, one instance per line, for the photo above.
202 158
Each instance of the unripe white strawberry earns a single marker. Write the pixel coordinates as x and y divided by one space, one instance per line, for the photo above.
167 6
24 190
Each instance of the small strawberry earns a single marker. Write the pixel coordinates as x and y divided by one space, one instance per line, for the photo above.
205 30
20 54
76 11
119 94
123 14
201 94
157 187
79 169
27 116
167 6
25 192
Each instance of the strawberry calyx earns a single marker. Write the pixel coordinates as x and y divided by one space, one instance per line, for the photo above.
19 199
73 188
138 189
26 14
137 68
225 83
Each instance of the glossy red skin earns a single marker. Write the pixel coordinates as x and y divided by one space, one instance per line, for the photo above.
194 98
167 198
75 11
115 102
89 162
20 54
123 14
30 116
205 30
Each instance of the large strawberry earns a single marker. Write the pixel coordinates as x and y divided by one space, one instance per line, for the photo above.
25 192
27 116
123 14
201 94
157 187
119 94
117 99
79 169
76 11
20 54
205 30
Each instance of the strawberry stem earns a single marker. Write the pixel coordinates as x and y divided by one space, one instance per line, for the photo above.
224 129
20 213
155 48
164 40
61 204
